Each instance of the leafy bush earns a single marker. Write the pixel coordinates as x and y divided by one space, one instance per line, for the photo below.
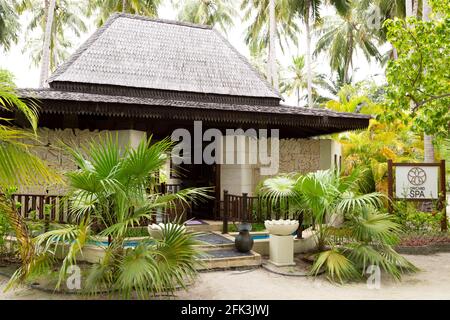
416 221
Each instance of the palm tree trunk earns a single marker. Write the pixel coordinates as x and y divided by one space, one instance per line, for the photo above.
272 72
45 63
348 59
428 148
308 57
415 8
409 8
124 5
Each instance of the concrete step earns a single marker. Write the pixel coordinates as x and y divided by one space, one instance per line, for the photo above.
226 258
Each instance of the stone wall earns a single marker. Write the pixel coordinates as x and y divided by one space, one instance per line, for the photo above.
49 148
299 155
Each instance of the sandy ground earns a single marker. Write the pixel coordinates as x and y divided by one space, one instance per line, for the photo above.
432 282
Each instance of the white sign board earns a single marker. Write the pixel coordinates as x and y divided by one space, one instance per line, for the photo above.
416 182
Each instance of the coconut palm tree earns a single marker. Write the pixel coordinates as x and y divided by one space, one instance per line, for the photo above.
114 189
257 34
296 81
343 34
103 9
9 24
218 13
49 45
351 231
272 71
309 12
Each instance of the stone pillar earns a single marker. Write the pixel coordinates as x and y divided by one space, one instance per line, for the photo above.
236 172
330 154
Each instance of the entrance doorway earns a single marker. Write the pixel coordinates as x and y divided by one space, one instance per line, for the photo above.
201 175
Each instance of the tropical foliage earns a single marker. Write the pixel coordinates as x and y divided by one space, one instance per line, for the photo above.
218 13
113 190
68 19
103 9
418 78
295 81
257 34
381 141
17 164
352 231
9 24
343 34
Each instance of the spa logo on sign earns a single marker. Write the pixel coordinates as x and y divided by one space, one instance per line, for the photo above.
417 176
416 182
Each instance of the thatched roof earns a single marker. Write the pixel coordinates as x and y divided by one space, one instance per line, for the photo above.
141 52
144 69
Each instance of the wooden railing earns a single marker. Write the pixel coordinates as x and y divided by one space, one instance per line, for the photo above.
244 208
43 207
56 208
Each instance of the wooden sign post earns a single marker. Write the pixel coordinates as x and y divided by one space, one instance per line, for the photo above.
418 182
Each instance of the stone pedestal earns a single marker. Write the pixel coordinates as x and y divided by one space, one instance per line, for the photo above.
281 250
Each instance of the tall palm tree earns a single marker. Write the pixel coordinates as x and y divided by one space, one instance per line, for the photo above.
218 13
9 24
257 34
45 63
308 10
343 34
296 81
272 71
309 13
103 9
67 16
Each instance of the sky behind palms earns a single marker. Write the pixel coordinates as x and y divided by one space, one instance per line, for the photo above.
27 74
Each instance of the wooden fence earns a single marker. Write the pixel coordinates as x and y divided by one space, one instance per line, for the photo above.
56 208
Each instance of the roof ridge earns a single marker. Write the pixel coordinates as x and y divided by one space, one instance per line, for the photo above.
159 20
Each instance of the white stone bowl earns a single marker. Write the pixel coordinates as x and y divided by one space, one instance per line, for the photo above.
281 227
156 230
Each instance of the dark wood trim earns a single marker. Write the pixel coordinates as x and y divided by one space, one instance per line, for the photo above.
442 196
390 186
217 190
409 164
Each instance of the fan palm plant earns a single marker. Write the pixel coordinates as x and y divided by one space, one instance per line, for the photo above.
114 190
351 231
